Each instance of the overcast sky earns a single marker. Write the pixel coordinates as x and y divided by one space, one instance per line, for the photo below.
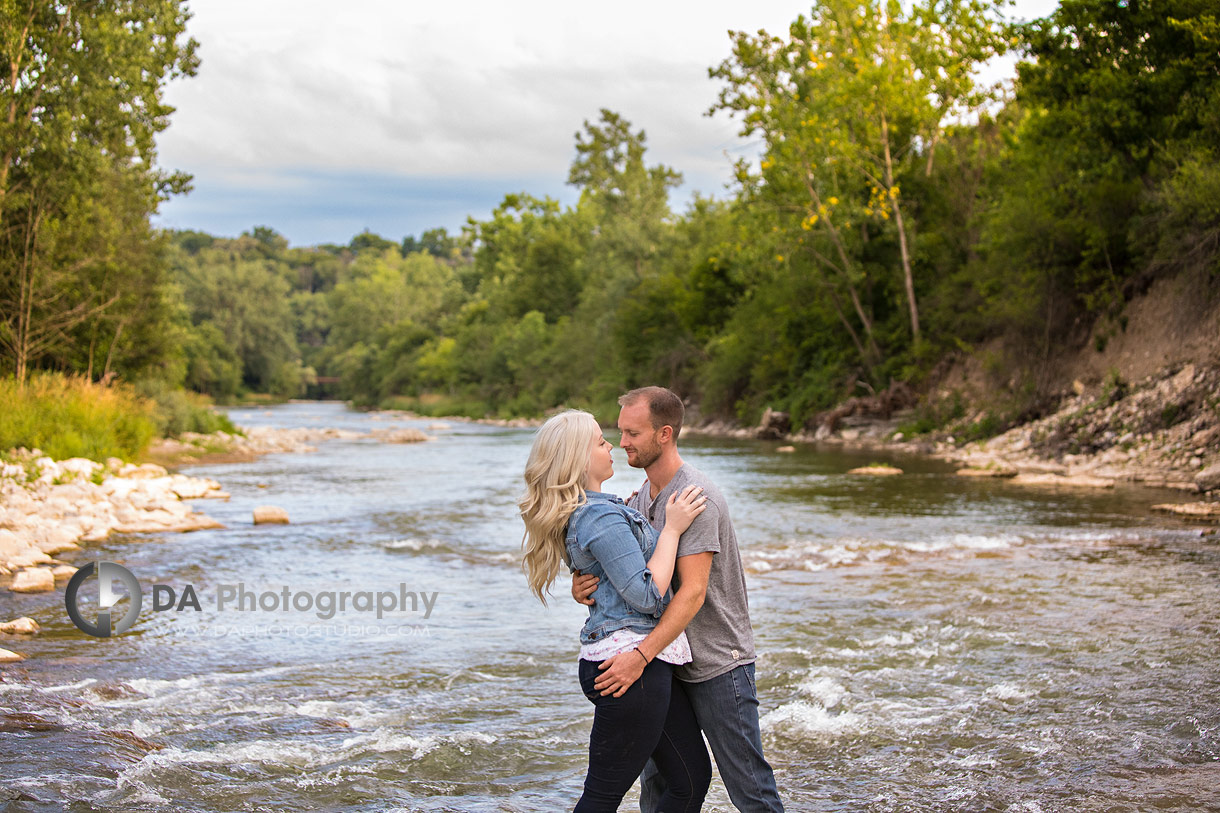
322 120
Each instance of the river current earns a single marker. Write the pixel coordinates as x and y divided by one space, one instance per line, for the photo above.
926 642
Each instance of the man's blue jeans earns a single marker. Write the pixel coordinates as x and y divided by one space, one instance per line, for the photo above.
727 710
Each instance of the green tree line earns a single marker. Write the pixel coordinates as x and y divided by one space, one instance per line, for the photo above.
900 211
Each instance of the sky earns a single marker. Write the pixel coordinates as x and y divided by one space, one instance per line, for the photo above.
322 120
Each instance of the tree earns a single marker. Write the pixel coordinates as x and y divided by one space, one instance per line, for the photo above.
628 200
80 105
1121 99
855 96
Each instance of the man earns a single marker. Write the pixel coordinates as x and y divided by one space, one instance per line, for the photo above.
709 602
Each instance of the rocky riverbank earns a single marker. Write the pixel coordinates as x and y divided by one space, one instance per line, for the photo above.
217 447
48 507
1163 431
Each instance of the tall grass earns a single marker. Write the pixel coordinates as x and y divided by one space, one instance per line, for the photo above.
176 411
68 416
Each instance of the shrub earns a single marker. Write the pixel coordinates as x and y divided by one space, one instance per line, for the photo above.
176 411
69 416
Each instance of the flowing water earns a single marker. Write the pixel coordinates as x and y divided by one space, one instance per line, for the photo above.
926 642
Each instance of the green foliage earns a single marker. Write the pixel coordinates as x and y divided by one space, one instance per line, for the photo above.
895 216
934 414
1112 161
70 417
176 411
82 280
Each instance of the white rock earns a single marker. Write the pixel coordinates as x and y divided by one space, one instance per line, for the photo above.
33 580
20 626
270 515
1204 510
79 466
193 488
8 656
147 471
876 471
63 571
58 538
118 488
1072 481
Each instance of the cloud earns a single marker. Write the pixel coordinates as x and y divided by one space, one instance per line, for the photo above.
300 104
317 206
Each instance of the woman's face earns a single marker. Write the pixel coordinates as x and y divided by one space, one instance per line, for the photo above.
601 463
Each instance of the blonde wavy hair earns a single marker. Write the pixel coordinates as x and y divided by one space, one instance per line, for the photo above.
554 488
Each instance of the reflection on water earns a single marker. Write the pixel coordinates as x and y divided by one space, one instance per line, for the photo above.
926 643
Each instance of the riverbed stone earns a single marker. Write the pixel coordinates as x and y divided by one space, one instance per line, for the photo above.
1208 479
973 471
9 656
876 471
1066 481
401 436
33 580
1197 510
270 515
20 626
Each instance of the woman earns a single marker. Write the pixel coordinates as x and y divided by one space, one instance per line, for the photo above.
569 520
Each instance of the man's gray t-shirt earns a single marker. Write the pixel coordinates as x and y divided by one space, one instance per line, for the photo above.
720 634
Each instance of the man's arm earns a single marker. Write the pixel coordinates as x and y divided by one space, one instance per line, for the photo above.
620 671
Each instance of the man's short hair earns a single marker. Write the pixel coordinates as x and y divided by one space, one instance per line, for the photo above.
664 407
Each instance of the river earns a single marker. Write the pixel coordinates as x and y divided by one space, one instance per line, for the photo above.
926 642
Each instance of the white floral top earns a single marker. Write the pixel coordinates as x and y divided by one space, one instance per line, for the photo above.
616 643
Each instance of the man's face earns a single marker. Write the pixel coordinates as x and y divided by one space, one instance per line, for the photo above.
639 439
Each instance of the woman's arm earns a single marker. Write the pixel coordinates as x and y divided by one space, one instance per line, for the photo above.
607 535
680 512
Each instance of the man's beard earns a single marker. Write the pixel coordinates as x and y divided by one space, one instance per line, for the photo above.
646 457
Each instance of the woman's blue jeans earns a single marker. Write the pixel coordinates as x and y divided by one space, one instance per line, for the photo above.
653 719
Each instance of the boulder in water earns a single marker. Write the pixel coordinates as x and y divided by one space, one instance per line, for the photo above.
270 515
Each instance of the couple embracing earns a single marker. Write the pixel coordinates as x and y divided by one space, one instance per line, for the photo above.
667 654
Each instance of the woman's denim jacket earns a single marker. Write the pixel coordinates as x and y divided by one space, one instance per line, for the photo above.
614 542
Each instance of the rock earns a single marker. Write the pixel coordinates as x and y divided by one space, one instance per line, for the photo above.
8 656
1067 481
996 471
20 626
193 488
439 427
406 436
786 449
898 437
876 471
1198 510
1078 387
147 471
63 571
850 434
79 466
33 580
59 538
774 425
270 515
401 436
1208 479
